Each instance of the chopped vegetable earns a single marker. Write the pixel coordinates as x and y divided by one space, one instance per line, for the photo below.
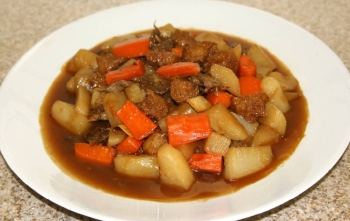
249 85
219 96
127 73
95 153
246 66
181 69
139 125
186 128
129 145
178 51
206 162
132 48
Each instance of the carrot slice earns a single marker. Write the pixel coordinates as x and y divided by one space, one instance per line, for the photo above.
129 145
246 66
206 162
138 124
127 73
178 51
249 85
186 128
219 96
181 69
95 153
132 48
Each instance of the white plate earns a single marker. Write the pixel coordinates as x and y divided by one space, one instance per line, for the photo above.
323 78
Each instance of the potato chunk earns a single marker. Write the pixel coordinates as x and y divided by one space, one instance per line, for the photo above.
227 78
274 119
265 135
223 122
174 169
83 101
272 88
264 65
288 83
112 102
64 113
217 144
242 161
143 166
82 59
199 103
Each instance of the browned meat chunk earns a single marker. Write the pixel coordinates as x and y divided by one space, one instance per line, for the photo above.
97 136
151 80
251 107
98 80
161 58
199 51
205 82
118 86
159 42
223 58
154 105
181 90
97 114
154 142
183 38
108 62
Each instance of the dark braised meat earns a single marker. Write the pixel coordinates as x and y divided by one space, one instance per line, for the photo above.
251 106
183 38
159 42
154 142
97 136
98 80
151 80
223 58
181 90
118 86
109 62
97 114
161 58
205 82
154 105
198 51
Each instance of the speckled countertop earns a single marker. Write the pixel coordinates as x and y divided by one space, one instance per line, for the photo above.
25 22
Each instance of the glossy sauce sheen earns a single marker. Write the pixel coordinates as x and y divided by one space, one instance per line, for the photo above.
59 145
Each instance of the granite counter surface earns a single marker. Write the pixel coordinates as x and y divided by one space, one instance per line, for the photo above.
25 22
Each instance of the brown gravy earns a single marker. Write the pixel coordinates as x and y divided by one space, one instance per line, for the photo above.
59 144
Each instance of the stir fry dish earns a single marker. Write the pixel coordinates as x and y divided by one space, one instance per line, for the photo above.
172 115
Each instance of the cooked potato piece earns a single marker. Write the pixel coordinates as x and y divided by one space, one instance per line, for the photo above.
97 98
167 30
112 103
82 59
143 166
213 38
173 168
249 127
83 101
223 122
188 149
274 119
65 115
242 161
227 78
115 137
265 135
70 85
237 50
288 83
135 93
199 103
291 96
272 88
264 65
80 79
217 144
